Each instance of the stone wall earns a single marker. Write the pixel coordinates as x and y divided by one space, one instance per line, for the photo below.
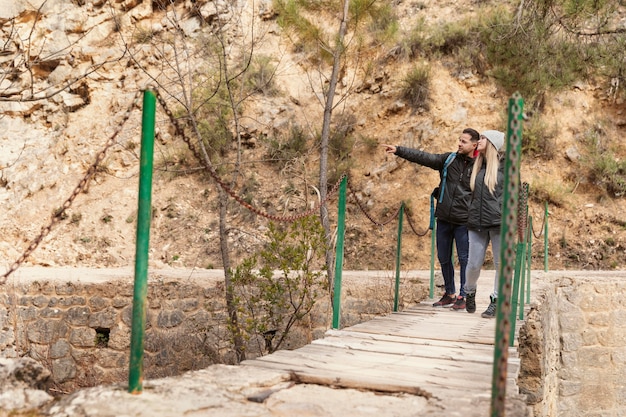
77 323
573 346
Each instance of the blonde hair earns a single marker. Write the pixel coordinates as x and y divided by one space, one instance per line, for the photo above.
492 156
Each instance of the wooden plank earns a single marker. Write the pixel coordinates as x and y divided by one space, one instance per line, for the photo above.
354 339
400 379
464 352
444 326
384 384
405 371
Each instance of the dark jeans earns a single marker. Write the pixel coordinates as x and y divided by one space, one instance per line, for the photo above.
447 233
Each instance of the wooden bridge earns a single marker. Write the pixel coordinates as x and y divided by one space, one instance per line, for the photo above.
440 354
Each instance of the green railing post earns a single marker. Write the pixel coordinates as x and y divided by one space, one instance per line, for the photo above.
433 232
522 233
530 257
519 257
545 241
341 227
508 236
144 213
398 258
522 285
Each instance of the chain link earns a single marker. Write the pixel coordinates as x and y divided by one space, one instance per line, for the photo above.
59 214
408 219
367 214
543 224
385 222
180 131
522 217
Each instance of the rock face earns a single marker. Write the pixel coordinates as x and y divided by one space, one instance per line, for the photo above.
22 383
71 76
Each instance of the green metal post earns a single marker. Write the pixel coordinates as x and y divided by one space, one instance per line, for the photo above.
398 257
135 375
433 232
522 285
508 235
545 241
341 227
519 256
530 257
523 236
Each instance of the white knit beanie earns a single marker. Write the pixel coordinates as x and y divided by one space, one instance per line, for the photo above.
495 137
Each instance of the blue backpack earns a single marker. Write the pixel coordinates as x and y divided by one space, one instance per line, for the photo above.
438 192
445 174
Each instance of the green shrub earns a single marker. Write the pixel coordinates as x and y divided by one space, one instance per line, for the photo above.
539 139
416 87
260 77
277 287
605 170
293 144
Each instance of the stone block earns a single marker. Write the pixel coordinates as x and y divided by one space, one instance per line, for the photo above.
46 331
63 369
571 342
168 319
83 337
78 316
98 303
119 338
59 349
594 357
105 319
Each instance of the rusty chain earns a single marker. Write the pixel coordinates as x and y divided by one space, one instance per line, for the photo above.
522 217
366 213
59 213
180 131
543 224
408 219
385 222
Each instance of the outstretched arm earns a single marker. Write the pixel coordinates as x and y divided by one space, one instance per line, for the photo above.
389 148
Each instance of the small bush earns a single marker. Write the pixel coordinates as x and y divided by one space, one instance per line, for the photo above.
539 139
416 90
143 35
555 193
260 77
277 288
609 173
383 25
293 144
604 170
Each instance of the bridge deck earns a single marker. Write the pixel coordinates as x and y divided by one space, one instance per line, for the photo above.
437 353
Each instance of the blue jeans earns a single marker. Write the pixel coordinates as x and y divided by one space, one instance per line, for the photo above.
447 234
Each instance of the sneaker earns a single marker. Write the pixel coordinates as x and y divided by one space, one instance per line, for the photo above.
470 302
491 310
446 300
459 304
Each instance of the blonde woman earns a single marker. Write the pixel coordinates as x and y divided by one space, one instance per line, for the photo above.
485 213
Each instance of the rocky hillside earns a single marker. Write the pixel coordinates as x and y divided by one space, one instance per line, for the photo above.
71 69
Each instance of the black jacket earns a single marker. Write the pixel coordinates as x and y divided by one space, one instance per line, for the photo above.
457 193
485 210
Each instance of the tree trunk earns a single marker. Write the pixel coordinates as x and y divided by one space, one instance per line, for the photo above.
231 307
328 111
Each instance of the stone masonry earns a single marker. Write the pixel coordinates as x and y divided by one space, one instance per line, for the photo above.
573 345
78 324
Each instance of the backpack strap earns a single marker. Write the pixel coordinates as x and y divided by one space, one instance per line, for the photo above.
445 174
431 224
